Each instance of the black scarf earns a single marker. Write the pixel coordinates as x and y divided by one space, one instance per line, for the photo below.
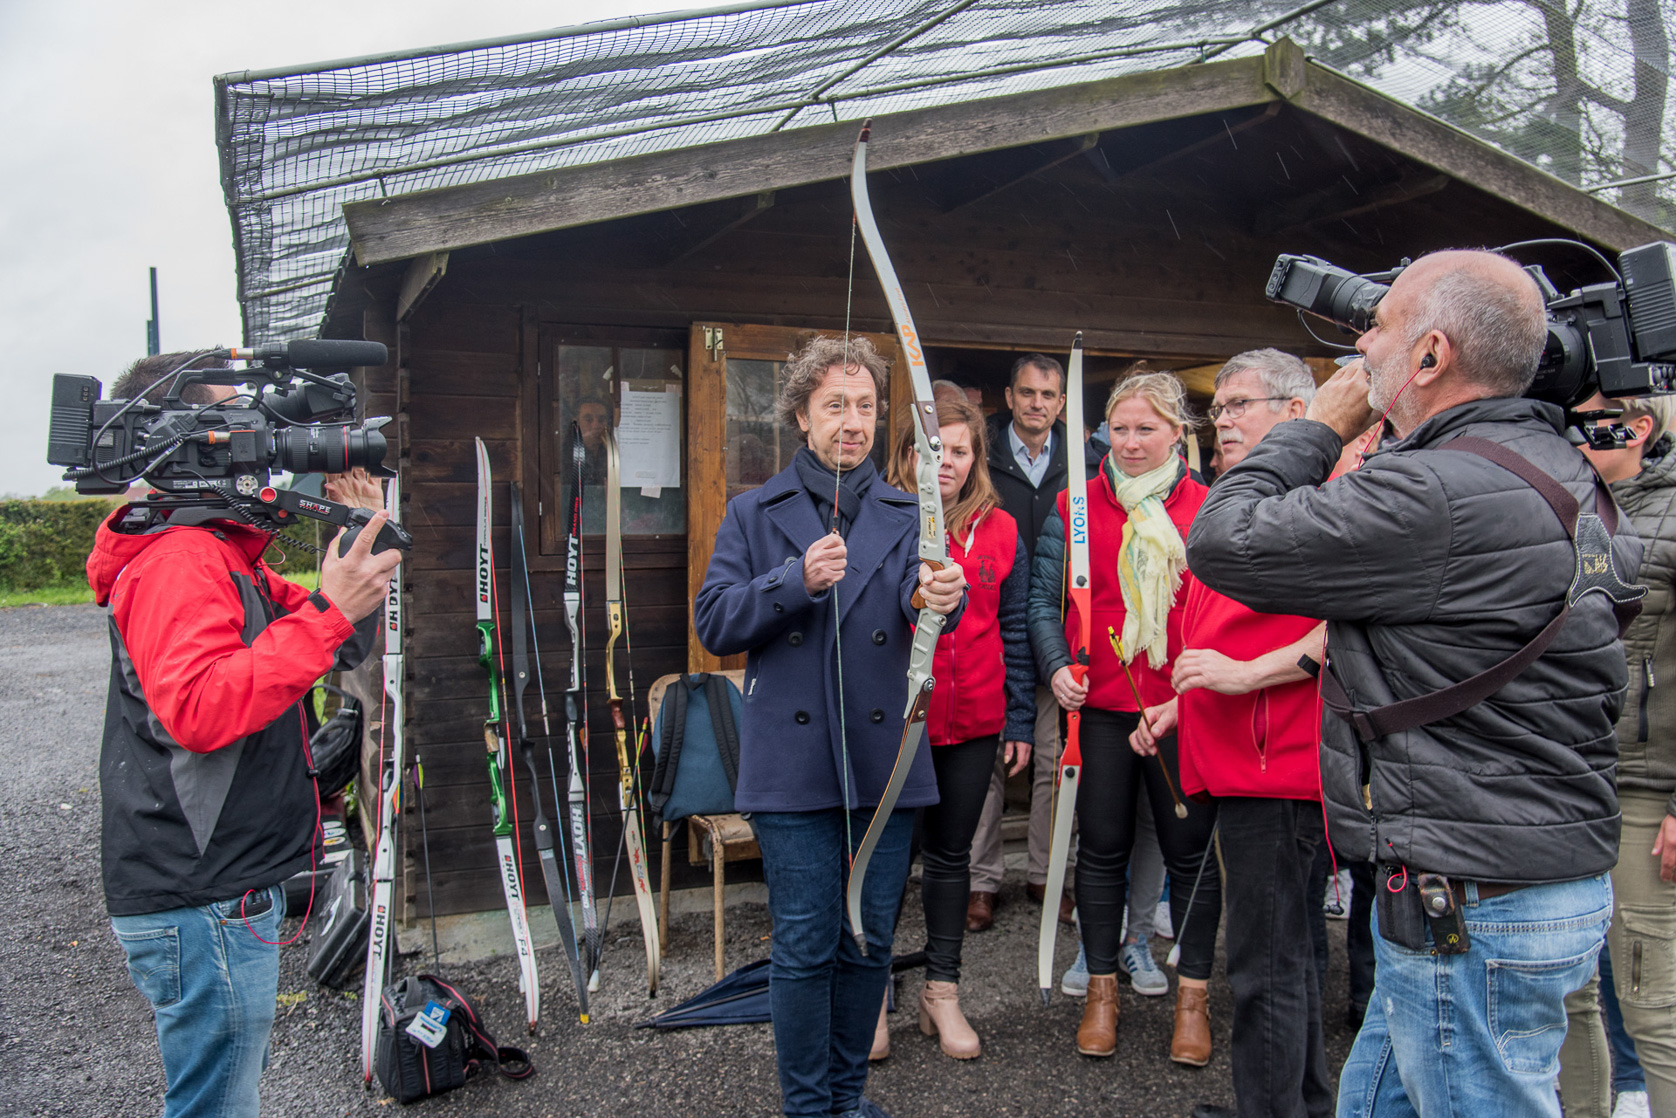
818 480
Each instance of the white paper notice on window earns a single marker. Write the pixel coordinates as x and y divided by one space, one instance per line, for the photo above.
649 436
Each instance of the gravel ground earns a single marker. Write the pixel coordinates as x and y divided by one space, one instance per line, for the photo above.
76 1038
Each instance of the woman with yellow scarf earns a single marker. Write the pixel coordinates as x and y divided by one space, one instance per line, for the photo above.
1141 501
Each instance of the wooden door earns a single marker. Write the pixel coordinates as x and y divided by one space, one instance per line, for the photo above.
733 441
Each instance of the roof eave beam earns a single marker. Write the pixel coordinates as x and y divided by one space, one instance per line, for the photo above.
406 226
442 220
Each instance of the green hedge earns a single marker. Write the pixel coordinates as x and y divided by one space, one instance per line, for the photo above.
46 543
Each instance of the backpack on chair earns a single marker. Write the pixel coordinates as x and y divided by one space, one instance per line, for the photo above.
696 741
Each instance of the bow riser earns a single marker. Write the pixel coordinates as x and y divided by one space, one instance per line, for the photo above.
495 743
389 811
575 706
524 669
933 546
628 796
1080 594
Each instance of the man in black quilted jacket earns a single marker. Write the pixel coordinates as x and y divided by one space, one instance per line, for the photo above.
1493 820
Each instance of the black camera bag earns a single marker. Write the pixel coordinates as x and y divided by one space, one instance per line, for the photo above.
409 1070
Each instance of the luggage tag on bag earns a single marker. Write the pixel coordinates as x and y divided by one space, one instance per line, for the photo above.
1437 901
430 1026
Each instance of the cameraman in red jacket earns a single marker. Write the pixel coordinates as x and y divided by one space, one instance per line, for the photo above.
207 797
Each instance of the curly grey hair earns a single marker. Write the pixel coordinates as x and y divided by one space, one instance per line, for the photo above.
806 368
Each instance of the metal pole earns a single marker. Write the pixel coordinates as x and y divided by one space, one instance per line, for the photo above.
153 331
1637 181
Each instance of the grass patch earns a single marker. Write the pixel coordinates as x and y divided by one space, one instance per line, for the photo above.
74 594
79 593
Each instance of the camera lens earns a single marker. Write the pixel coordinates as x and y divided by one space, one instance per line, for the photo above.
1326 290
1353 302
332 448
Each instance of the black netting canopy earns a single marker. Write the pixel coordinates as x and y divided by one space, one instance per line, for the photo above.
1577 87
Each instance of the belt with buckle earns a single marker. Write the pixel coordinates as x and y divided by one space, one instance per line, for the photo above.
1486 889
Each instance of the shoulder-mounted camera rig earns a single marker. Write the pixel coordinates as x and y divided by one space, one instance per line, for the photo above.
221 455
1617 337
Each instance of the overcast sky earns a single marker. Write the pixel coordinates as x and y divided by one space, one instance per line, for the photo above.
108 167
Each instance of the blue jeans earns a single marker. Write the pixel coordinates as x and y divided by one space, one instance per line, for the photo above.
824 994
212 985
1478 1033
1626 1069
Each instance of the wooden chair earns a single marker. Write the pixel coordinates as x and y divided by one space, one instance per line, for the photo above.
716 839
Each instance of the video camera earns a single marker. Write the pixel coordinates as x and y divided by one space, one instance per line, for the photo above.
221 455
1617 338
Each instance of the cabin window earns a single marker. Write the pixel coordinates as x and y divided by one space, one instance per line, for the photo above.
630 388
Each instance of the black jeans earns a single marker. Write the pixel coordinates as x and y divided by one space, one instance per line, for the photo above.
1112 776
963 772
1278 1056
1358 937
1358 934
1320 886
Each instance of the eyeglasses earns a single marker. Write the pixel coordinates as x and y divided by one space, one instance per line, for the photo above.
1236 408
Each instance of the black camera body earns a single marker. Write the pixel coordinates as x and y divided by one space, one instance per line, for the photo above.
1617 338
223 455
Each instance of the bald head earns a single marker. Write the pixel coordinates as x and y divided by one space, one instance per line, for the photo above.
1486 305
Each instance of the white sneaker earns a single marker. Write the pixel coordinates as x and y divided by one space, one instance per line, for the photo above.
1161 921
1075 982
1631 1104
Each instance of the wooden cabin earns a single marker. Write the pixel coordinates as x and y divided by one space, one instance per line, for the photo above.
1145 211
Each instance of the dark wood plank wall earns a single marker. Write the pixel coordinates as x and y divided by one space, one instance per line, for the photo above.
1159 246
470 371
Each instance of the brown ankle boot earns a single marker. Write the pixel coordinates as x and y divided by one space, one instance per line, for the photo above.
1191 1042
940 1016
881 1035
1097 1036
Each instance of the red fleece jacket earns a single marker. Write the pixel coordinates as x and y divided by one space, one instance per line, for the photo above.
1263 743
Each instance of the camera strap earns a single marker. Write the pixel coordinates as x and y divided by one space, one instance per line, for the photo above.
1591 535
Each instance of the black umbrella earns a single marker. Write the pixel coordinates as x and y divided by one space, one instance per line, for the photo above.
740 999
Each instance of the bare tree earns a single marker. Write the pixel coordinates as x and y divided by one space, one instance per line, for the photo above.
1580 89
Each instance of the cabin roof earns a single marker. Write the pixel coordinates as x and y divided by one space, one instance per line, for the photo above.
388 157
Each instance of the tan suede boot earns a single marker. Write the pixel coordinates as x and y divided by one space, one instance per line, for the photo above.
940 1016
881 1035
1097 1035
1191 1042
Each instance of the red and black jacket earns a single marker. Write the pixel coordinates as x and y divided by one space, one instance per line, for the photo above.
204 773
986 678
